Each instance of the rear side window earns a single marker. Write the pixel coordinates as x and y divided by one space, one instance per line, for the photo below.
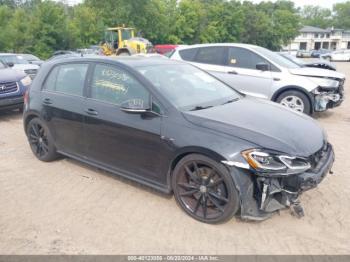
211 55
188 54
243 58
114 85
68 79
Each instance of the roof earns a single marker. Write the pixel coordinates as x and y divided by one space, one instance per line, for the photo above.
7 54
131 61
312 29
249 46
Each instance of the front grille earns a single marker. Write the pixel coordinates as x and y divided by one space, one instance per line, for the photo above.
31 72
8 87
319 155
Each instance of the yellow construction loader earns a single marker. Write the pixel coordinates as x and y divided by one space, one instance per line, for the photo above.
122 41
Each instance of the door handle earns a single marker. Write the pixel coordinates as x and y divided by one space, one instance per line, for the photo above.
47 101
91 112
232 72
276 79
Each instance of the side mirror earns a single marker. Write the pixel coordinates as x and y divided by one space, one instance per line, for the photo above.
10 64
262 66
135 106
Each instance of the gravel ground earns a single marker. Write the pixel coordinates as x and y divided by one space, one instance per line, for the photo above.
66 207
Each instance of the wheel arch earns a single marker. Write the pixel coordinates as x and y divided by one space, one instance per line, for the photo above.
124 49
294 88
180 154
28 117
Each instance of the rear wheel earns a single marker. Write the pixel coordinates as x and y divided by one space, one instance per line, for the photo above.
204 189
295 100
40 140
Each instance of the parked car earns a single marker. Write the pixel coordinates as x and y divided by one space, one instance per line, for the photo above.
319 52
163 49
176 128
63 53
259 72
341 55
19 63
304 53
319 63
13 85
292 52
32 59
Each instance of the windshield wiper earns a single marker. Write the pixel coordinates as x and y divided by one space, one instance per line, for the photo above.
200 108
231 100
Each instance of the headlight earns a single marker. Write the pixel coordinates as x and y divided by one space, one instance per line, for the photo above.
325 82
26 81
264 161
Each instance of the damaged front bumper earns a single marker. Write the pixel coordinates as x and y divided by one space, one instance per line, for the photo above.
263 195
325 99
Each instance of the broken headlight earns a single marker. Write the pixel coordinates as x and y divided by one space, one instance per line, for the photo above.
264 161
325 82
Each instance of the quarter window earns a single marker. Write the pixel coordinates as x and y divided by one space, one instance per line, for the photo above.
68 79
114 85
211 55
243 58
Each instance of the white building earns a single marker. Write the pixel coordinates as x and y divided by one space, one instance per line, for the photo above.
315 38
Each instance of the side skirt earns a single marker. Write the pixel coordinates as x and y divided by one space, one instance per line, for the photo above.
135 178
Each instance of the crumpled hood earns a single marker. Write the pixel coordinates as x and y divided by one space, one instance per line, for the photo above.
263 123
316 72
10 75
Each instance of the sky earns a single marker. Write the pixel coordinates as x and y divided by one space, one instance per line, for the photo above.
298 3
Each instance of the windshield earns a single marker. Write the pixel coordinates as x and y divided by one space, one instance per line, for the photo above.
293 59
13 59
30 57
276 58
187 87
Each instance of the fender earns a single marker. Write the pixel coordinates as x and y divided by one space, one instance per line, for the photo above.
182 152
298 88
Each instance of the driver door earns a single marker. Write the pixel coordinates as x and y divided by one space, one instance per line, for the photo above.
242 74
122 141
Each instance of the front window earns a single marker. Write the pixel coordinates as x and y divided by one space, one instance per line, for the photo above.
113 85
126 34
187 87
276 58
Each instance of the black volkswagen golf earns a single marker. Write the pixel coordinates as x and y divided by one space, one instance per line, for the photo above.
176 128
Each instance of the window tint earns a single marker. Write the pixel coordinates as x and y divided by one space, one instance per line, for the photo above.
240 57
188 54
113 85
211 55
68 79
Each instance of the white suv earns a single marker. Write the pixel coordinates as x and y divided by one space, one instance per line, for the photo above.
259 72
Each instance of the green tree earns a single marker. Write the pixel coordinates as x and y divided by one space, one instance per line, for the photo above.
342 15
316 16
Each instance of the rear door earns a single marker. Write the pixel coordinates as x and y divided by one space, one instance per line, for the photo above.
211 59
63 105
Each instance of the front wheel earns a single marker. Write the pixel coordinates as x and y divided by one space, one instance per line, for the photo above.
40 140
204 189
295 100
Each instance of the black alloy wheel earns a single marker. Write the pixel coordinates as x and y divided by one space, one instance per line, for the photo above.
204 189
40 141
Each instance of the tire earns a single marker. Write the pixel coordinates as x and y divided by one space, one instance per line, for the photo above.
204 189
295 100
41 141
